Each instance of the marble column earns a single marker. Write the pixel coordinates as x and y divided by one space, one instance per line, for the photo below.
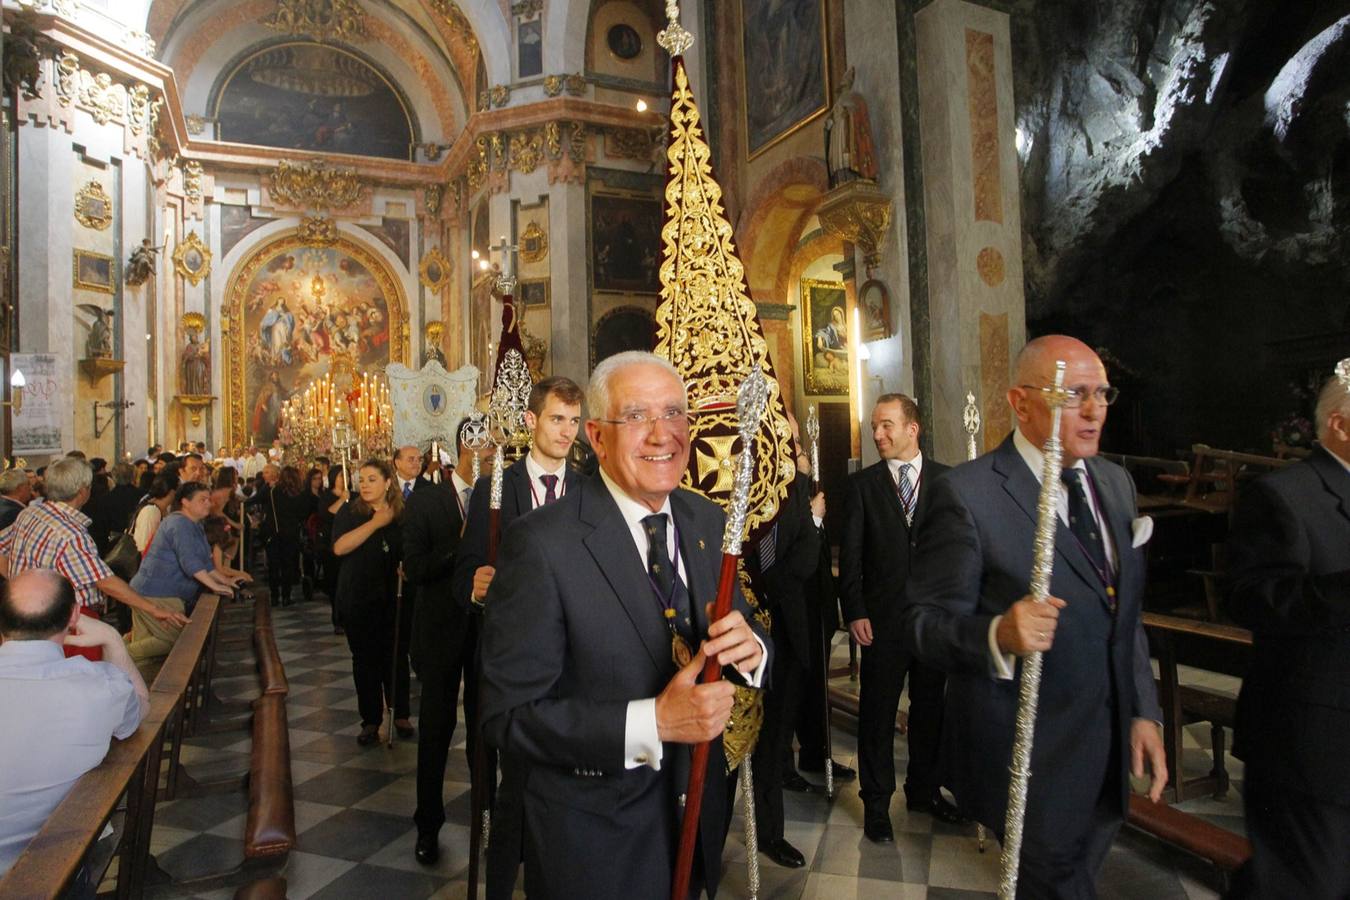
973 217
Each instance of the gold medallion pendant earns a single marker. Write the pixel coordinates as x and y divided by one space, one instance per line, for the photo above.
680 650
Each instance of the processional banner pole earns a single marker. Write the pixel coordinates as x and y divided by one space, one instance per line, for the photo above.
1042 567
751 401
970 417
813 437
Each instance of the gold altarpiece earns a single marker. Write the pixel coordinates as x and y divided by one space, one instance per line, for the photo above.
294 312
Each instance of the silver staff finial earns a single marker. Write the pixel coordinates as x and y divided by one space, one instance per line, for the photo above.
673 37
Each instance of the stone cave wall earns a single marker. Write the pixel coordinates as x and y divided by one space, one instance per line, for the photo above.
1185 199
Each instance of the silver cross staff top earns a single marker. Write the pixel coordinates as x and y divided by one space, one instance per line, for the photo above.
506 280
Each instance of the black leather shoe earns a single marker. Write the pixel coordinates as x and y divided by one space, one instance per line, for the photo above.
939 809
842 773
783 853
877 827
795 783
405 731
427 850
370 734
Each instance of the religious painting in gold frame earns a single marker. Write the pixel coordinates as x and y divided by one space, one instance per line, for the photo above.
785 70
192 259
295 313
93 206
92 271
435 270
825 338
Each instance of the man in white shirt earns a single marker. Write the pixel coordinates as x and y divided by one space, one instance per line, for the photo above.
59 713
594 600
542 477
967 610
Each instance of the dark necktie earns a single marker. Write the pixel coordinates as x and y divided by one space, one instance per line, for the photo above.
663 573
905 488
550 488
1081 521
407 489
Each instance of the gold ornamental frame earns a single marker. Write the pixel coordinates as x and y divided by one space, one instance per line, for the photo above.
93 206
232 323
194 272
434 258
533 243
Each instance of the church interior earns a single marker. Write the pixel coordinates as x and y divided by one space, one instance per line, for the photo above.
209 207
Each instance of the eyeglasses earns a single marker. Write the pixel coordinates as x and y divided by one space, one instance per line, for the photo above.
1104 395
675 418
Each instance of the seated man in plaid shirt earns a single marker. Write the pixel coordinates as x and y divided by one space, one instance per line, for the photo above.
55 535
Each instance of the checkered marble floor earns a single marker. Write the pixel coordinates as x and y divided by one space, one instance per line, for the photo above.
354 810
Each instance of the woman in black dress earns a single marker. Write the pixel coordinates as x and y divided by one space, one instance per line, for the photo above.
330 501
366 539
288 505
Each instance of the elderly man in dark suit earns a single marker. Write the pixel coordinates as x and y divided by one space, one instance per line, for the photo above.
540 478
967 610
579 671
884 512
443 641
1289 582
15 492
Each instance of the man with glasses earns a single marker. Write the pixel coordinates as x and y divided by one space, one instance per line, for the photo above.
967 610
594 634
540 478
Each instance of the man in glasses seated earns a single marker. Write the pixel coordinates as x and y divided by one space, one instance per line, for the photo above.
968 611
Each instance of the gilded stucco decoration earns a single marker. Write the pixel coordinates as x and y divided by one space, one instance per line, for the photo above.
317 231
527 9
142 112
533 243
457 22
322 20
196 124
193 176
633 143
574 84
192 259
707 325
858 212
435 270
499 94
576 145
93 206
313 184
433 196
477 170
553 140
553 84
527 149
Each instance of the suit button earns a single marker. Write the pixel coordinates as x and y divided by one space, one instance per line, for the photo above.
641 759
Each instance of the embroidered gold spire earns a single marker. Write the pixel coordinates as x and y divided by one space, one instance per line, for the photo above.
707 324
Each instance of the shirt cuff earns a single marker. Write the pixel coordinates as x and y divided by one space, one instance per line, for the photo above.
756 678
1001 663
641 739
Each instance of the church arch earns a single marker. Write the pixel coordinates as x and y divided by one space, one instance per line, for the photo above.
292 312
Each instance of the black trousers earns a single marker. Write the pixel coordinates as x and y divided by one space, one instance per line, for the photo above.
810 704
1300 843
283 565
882 672
1057 867
370 635
506 850
774 750
437 714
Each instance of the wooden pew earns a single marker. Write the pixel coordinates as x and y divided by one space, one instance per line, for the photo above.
1226 850
1221 648
269 831
131 769
1211 485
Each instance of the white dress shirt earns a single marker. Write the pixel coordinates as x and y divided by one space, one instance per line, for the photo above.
915 473
539 490
1035 460
641 737
462 491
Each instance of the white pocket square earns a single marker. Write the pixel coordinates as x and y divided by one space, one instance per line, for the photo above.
1142 529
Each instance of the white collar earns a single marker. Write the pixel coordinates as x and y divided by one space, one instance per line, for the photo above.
916 463
632 511
460 484
536 471
1033 455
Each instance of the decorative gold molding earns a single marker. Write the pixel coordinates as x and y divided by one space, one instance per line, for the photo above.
527 149
553 84
435 270
527 9
458 23
192 180
93 206
533 243
433 196
195 404
632 143
314 184
193 321
575 84
316 231
196 124
330 20
858 212
192 259
499 94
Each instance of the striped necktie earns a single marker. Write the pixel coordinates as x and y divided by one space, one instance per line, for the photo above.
550 488
905 488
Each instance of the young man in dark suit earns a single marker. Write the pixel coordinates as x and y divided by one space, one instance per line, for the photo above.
540 478
884 512
579 671
444 638
1289 582
967 609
